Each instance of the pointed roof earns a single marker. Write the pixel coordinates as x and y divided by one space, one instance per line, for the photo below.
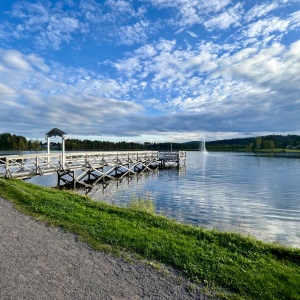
55 132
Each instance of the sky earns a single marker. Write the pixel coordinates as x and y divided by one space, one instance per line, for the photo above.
150 70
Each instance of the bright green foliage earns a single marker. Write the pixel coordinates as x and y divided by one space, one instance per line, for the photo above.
140 204
244 266
258 143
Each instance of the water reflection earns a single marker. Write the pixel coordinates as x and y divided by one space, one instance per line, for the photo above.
241 192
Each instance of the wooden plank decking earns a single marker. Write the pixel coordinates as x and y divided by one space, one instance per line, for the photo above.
99 164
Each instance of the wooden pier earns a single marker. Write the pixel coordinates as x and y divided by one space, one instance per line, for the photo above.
88 168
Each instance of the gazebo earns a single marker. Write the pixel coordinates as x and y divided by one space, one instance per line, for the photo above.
56 132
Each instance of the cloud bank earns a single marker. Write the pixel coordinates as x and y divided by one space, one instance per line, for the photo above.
155 70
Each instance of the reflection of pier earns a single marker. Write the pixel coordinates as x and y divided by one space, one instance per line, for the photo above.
111 188
108 190
87 168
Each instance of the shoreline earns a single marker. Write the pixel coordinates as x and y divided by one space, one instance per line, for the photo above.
39 261
233 266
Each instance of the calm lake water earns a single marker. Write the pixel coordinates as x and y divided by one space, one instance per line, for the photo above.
241 192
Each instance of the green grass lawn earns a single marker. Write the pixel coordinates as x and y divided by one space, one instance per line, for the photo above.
243 266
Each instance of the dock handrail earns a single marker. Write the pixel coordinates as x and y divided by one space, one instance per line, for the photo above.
28 165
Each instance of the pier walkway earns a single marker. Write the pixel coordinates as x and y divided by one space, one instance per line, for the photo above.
87 168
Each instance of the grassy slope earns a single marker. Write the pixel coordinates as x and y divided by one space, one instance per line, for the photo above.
249 268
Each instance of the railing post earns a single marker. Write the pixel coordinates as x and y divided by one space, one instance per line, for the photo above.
48 145
36 164
63 152
7 167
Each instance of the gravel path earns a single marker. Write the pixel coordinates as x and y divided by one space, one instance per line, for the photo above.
41 262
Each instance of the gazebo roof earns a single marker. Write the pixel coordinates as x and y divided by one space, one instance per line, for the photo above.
55 132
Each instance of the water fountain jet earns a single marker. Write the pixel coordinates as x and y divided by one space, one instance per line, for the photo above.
203 148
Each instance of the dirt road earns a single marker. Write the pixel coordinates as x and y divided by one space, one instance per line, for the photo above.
40 262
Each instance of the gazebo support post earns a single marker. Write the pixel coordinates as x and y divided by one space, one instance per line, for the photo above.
48 149
57 132
63 152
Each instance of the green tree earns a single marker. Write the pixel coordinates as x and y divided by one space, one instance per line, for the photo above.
33 145
258 143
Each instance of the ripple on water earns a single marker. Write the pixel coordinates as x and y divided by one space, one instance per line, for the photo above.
241 192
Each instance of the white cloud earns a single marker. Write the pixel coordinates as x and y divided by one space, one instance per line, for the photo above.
192 12
269 79
269 29
266 27
192 34
49 24
260 10
295 20
7 95
208 63
111 11
120 7
52 26
38 62
129 66
34 13
241 55
91 12
44 93
228 18
129 35
57 31
165 45
164 64
230 87
146 51
15 60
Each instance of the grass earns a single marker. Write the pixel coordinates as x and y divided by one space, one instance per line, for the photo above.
142 205
242 266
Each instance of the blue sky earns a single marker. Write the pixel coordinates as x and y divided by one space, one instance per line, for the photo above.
150 70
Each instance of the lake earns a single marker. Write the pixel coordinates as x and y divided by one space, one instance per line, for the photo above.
240 192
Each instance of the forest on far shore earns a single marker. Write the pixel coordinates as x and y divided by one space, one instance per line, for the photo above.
257 143
20 143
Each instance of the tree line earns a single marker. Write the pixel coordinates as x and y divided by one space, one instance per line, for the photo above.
75 144
256 143
16 142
